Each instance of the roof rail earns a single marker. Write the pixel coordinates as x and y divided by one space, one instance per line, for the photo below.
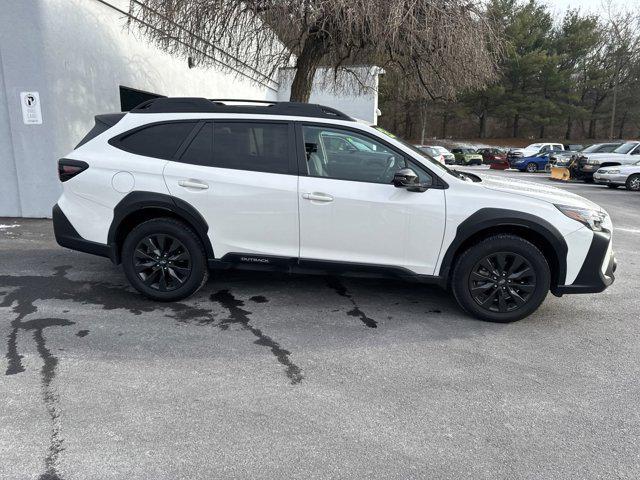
203 105
241 100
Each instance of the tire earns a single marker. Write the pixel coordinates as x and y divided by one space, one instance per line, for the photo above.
164 260
633 183
532 167
507 300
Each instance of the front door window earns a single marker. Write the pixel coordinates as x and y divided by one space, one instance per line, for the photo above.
344 155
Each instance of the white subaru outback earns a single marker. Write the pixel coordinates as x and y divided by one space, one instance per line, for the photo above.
179 186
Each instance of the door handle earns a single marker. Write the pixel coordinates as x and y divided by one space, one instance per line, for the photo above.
317 197
193 184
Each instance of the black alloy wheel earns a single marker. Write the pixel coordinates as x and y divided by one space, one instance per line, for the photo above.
503 278
502 282
164 259
162 262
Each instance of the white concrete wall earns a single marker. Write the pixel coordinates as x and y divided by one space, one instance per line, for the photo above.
356 98
76 53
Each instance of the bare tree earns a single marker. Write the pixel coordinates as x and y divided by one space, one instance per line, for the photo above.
440 46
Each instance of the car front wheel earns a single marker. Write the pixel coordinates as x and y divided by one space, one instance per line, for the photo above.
164 260
633 183
503 278
532 168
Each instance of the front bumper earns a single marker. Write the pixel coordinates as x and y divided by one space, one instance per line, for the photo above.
68 237
598 268
609 179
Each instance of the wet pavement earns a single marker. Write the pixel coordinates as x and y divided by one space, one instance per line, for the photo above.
274 376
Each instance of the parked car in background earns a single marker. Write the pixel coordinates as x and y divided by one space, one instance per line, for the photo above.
433 152
534 149
336 142
563 158
532 164
614 177
587 164
449 158
491 155
573 147
502 164
467 156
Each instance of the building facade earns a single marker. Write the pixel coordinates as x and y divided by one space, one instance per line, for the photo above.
64 61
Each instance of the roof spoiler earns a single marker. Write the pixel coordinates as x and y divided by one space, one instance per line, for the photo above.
102 123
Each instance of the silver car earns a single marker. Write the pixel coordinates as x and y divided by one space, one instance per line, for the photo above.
618 175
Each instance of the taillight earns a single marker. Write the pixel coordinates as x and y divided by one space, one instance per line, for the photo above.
67 169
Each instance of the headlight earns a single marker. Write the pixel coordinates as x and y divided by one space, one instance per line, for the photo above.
593 161
590 218
610 172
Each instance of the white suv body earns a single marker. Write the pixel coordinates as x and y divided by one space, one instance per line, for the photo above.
257 187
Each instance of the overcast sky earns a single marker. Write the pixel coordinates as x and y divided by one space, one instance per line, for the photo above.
592 6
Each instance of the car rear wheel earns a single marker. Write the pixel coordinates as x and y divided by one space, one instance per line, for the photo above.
633 183
532 167
164 260
503 278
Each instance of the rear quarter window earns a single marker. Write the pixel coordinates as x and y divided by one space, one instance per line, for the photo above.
161 140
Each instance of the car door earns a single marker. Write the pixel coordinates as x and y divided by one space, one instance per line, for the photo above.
242 177
356 215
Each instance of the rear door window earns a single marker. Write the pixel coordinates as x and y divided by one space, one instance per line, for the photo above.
257 147
160 140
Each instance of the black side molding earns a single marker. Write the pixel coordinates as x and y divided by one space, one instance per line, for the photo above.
68 237
135 203
249 261
490 218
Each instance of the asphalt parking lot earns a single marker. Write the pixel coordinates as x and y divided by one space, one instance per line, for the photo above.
266 376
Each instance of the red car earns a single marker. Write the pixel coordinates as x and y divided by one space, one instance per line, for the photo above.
495 157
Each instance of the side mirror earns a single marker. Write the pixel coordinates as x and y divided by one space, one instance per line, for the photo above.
407 178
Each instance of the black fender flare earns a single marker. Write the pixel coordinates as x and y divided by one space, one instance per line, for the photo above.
494 218
136 202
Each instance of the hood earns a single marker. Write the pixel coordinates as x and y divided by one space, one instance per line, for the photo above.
622 168
604 156
527 152
535 190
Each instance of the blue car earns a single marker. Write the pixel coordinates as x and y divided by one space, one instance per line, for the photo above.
532 164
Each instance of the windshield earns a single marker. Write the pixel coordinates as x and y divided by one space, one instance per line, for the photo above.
430 161
429 151
625 147
534 146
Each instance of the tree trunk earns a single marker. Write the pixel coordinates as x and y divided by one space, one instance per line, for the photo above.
623 122
315 48
445 120
408 122
567 135
423 133
541 131
483 124
516 125
592 128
